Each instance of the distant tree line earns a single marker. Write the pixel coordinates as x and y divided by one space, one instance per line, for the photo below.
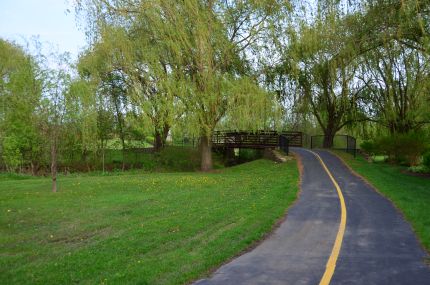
156 68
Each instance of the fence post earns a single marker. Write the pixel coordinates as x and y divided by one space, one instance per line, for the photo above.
355 147
301 138
347 143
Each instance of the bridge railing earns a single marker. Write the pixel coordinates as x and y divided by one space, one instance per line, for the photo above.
284 144
243 139
294 138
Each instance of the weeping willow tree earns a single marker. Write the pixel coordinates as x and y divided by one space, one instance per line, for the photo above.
81 114
258 112
208 60
325 69
399 87
137 65
98 67
394 49
346 64
190 53
380 21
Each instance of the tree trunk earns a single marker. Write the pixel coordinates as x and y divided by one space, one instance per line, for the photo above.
206 152
54 166
166 130
329 137
33 168
120 120
102 146
123 152
401 127
158 141
161 137
103 160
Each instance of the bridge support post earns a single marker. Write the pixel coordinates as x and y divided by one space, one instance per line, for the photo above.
229 156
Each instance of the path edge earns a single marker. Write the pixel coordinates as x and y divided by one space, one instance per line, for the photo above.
268 234
368 183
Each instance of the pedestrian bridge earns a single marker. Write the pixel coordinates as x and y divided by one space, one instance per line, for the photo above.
257 139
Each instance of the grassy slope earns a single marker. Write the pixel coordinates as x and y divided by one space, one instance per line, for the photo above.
410 194
159 228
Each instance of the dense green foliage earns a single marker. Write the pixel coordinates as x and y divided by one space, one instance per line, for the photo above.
401 148
159 70
137 228
170 158
20 92
360 67
180 61
426 159
410 194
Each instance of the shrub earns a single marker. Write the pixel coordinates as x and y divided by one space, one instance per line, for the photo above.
249 155
412 146
402 148
11 153
178 158
368 147
419 169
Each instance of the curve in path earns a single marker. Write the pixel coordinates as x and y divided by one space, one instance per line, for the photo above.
378 246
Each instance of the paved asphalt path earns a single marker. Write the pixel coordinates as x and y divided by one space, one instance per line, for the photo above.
378 247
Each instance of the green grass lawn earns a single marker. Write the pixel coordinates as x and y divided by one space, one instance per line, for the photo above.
139 228
410 194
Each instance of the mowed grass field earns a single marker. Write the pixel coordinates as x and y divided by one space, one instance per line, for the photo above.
140 228
410 194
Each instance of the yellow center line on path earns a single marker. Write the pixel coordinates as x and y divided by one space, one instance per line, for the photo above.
331 263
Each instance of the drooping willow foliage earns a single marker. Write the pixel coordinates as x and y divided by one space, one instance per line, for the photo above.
156 70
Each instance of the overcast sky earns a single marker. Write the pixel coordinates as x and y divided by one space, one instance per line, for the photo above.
20 20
